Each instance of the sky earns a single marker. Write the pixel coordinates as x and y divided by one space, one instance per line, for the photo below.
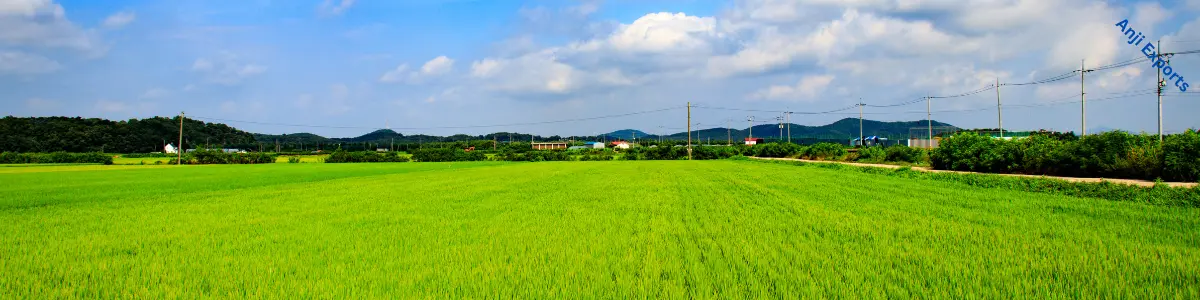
342 68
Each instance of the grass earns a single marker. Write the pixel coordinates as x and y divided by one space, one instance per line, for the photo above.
662 229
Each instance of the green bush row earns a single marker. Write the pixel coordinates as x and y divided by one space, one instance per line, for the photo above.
340 156
55 158
148 155
217 157
1160 194
447 154
534 156
1114 154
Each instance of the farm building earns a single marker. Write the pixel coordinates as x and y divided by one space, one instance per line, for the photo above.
596 145
170 149
753 141
578 148
870 141
621 145
550 146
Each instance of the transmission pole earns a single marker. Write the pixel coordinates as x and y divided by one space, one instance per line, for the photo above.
1083 98
1161 84
861 142
929 119
689 129
179 150
728 134
789 125
780 119
751 120
999 113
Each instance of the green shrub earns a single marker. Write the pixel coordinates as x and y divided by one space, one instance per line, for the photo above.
777 150
293 159
901 153
1181 156
340 156
55 158
965 152
871 154
216 157
535 156
823 151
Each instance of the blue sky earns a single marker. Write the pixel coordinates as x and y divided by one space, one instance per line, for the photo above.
418 66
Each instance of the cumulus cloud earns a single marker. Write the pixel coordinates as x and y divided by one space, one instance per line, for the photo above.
334 7
226 69
436 67
119 20
808 88
44 24
21 63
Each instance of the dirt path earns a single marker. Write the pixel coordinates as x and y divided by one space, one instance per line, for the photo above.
1136 182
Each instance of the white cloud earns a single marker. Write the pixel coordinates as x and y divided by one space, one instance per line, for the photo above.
808 88
44 24
155 93
202 65
436 67
119 20
226 69
13 62
395 75
334 7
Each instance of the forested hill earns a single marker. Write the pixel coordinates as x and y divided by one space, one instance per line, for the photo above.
75 134
842 129
50 134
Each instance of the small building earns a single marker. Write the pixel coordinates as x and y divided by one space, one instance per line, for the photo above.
170 149
594 145
869 141
753 141
621 145
550 146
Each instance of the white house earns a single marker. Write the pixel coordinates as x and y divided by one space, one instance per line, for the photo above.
170 149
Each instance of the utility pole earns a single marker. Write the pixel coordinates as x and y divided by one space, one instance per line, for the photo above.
1161 84
1083 98
789 125
929 119
861 142
999 113
493 142
689 129
780 119
179 150
751 120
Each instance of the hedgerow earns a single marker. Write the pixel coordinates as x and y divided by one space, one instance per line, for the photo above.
216 157
447 154
1114 154
1160 194
340 156
55 158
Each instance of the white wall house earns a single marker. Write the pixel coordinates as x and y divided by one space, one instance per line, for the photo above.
170 149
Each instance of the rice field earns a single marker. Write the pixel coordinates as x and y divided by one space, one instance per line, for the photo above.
642 229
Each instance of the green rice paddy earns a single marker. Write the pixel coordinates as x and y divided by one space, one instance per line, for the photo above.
642 229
